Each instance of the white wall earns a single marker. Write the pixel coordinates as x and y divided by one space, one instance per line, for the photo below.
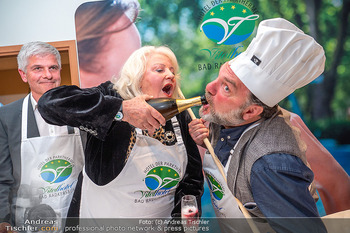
23 21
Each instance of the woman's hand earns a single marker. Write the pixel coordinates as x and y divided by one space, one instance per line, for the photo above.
140 114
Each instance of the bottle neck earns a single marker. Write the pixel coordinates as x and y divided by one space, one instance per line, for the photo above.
183 104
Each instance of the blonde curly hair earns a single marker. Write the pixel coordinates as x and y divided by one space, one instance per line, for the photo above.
129 81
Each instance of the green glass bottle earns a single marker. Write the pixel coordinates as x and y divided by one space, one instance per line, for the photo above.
169 107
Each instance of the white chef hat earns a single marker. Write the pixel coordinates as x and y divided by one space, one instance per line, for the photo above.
279 60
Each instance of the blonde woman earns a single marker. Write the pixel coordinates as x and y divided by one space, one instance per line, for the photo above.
137 165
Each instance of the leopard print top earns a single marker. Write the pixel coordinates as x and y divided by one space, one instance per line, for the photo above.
166 138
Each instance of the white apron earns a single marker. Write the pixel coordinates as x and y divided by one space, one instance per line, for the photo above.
50 166
146 185
222 199
224 203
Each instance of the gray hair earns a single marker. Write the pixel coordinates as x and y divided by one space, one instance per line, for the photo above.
33 49
267 111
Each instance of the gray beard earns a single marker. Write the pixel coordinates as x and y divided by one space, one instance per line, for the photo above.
232 118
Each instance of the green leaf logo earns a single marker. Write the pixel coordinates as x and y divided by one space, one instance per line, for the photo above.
215 187
161 178
56 171
228 23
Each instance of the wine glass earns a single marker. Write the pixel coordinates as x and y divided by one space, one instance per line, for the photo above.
189 213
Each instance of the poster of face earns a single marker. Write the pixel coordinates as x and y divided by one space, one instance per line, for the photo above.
106 37
108 32
200 41
204 35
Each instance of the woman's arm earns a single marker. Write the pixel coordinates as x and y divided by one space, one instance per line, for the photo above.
93 109
193 180
90 109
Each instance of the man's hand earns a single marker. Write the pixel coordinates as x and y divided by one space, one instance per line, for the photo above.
140 114
198 131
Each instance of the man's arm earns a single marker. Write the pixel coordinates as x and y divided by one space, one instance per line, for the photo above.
280 186
6 177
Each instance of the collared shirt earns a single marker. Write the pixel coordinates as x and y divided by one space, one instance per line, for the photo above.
227 140
281 179
280 187
44 128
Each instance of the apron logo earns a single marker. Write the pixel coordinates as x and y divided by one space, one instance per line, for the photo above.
215 187
162 178
56 171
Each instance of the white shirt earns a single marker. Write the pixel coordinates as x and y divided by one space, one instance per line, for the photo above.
46 129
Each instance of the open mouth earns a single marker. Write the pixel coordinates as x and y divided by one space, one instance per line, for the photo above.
205 109
168 89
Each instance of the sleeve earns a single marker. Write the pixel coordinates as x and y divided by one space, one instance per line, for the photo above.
280 186
90 109
6 177
193 180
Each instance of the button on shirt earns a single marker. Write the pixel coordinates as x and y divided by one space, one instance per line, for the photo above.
227 140
281 179
44 128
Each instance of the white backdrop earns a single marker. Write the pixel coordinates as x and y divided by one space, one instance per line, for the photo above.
23 21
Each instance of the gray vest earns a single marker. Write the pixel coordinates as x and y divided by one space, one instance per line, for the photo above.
273 135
